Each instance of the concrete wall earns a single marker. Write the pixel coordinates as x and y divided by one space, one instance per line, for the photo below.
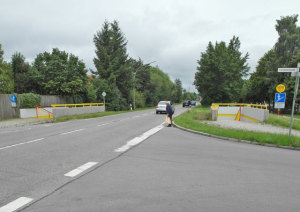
31 112
58 112
227 113
6 110
247 114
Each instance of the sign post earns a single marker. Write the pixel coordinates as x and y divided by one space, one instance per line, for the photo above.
13 99
280 98
294 72
104 94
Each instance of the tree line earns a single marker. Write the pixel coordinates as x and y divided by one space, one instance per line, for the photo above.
123 78
223 72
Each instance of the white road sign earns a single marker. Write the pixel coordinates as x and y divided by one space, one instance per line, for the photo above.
294 74
288 69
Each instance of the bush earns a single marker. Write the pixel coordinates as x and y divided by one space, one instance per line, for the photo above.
29 100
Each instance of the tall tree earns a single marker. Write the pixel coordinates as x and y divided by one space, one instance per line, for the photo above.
178 91
111 63
6 75
220 72
59 73
1 54
288 43
20 70
264 80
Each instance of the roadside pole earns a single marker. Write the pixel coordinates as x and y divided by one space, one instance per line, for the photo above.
104 94
294 72
294 99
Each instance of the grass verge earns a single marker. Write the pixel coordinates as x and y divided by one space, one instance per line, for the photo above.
282 121
192 120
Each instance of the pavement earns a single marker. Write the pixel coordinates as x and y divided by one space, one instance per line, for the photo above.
22 122
131 162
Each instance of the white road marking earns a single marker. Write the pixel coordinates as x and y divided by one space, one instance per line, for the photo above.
15 205
80 169
139 139
19 144
136 117
100 125
71 132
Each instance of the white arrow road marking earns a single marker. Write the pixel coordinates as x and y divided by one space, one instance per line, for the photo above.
139 139
14 205
80 169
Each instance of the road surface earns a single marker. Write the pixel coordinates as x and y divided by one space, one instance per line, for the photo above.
130 162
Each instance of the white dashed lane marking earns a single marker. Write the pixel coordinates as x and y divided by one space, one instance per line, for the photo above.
65 133
80 169
15 205
19 144
139 139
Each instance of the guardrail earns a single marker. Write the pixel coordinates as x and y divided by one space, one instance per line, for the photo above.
77 105
216 105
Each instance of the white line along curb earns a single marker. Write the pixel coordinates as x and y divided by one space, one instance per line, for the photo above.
80 169
139 139
14 205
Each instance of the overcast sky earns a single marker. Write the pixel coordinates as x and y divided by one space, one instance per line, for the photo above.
171 32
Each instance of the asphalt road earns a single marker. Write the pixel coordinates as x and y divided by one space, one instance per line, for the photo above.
133 163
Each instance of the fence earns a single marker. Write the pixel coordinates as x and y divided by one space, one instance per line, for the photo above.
6 110
9 112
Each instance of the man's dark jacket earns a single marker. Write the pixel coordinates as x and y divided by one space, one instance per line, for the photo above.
169 109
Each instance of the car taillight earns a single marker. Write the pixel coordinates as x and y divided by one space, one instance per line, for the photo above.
156 106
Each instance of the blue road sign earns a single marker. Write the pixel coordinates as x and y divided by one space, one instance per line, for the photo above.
13 98
280 97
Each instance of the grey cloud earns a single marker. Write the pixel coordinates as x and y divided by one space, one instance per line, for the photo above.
171 32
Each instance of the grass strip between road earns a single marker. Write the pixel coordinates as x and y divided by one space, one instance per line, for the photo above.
192 119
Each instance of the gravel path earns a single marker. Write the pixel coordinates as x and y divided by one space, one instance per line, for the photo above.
252 126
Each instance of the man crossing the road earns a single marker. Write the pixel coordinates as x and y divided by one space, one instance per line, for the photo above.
169 112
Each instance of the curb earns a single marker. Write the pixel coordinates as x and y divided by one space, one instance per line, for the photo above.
234 139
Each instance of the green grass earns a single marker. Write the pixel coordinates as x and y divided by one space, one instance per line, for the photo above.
282 122
192 120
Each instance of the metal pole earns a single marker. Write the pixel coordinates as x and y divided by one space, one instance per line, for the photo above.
104 102
294 99
134 92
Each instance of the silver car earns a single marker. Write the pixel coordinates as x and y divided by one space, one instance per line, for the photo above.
161 107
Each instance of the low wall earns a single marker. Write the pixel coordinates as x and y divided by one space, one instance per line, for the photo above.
253 114
58 112
247 114
227 113
31 112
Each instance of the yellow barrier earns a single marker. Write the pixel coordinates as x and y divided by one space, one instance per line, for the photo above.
77 105
215 105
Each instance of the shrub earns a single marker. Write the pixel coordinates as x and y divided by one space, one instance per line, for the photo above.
29 100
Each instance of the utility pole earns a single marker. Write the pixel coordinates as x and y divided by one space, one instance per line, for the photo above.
294 99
